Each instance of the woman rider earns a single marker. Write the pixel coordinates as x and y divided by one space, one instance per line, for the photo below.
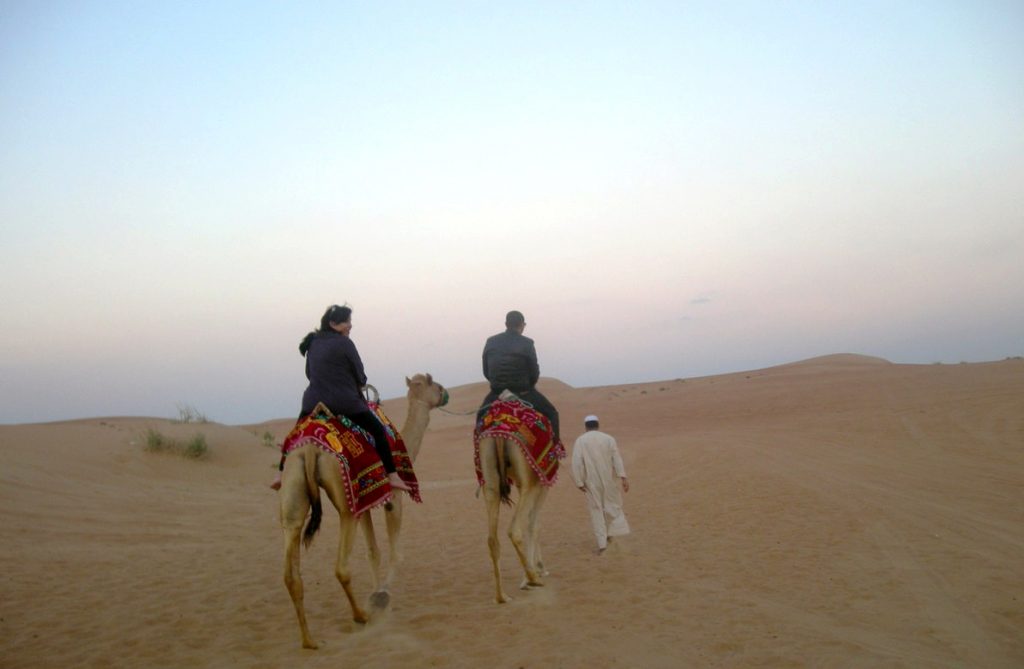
336 378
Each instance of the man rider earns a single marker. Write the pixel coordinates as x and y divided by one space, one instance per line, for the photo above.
510 363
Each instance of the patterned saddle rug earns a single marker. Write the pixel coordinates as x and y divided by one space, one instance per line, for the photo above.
515 420
366 482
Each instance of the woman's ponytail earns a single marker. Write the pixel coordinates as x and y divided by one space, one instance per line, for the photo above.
306 341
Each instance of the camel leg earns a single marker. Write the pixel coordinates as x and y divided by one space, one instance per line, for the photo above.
519 532
341 569
293 581
294 507
393 519
372 549
335 489
532 529
489 449
493 506
521 529
380 597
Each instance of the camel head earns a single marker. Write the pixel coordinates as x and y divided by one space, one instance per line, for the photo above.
422 387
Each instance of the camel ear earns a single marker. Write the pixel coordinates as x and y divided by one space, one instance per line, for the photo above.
408 383
430 380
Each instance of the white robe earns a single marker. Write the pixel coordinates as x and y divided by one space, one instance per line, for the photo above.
596 464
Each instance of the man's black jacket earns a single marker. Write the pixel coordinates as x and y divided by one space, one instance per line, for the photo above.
510 362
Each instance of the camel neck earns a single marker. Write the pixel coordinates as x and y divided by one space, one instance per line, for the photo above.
415 426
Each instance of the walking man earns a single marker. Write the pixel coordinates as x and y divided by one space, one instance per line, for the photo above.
597 470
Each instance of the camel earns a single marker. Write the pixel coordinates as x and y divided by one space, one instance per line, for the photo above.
501 459
309 466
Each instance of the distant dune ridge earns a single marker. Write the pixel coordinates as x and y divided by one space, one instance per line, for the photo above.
838 511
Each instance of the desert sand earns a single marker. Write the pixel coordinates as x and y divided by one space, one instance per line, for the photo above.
837 512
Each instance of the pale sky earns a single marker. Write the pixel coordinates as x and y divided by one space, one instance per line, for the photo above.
665 189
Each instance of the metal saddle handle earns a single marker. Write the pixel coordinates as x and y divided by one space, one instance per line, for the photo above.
369 389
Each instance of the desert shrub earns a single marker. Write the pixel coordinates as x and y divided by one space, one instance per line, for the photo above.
196 447
157 442
189 414
268 440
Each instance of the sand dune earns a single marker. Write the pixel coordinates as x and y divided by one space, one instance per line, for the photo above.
840 511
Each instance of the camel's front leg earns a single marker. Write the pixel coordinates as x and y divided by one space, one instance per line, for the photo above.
393 519
293 580
341 569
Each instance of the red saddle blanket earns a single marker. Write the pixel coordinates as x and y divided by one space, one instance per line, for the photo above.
366 482
527 427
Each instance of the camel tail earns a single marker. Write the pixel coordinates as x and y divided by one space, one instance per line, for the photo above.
501 457
316 511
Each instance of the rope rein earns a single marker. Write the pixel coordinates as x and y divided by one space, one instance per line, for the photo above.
457 413
369 390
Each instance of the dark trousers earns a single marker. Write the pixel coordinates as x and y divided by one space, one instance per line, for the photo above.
535 398
369 422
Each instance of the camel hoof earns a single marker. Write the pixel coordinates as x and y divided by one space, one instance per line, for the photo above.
502 599
309 645
380 599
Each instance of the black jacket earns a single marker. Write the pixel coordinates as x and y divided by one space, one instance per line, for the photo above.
335 373
510 362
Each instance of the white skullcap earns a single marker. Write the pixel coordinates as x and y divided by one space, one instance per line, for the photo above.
590 419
